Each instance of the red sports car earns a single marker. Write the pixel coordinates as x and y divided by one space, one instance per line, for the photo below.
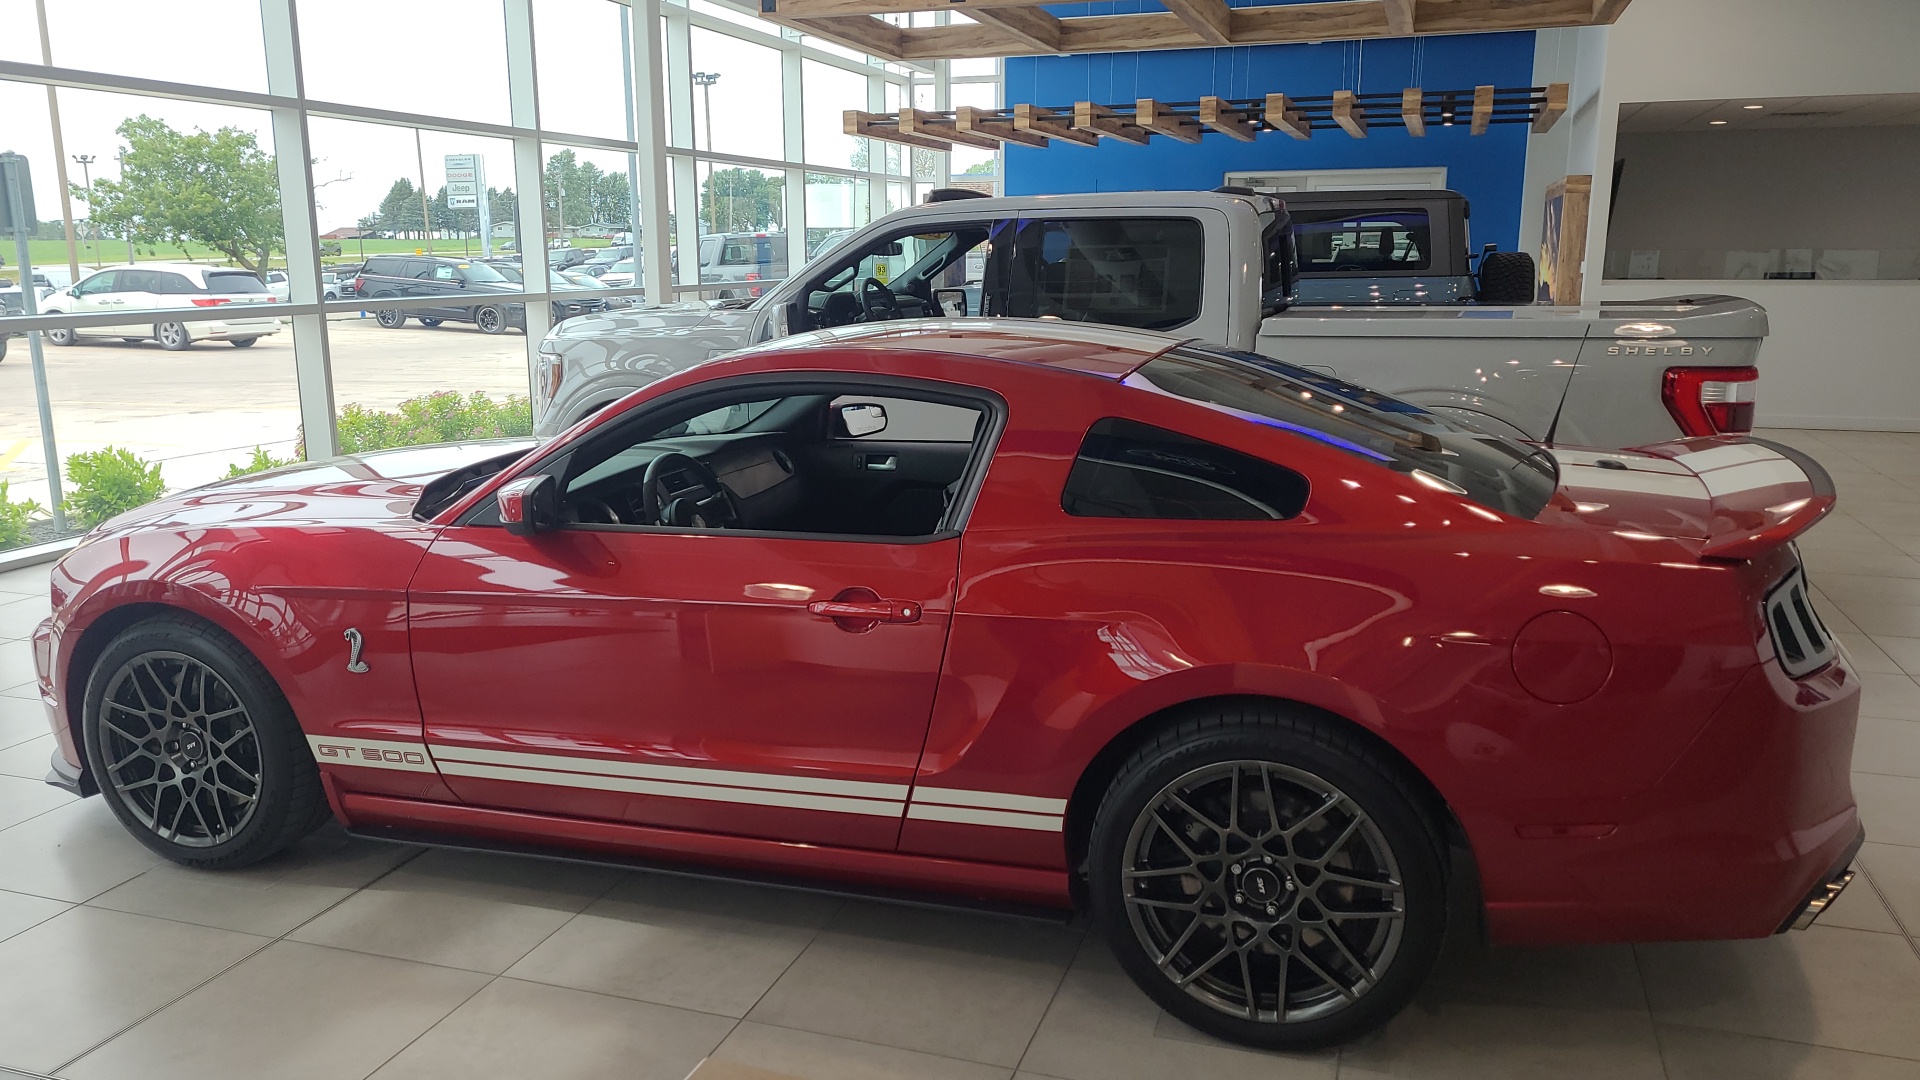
1272 674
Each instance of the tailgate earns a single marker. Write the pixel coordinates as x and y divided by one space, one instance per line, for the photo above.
1739 497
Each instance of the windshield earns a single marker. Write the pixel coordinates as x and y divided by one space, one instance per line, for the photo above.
1497 473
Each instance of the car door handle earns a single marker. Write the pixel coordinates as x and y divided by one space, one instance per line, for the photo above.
900 611
880 462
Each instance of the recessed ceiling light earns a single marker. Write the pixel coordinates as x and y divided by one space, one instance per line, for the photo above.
1753 106
1716 123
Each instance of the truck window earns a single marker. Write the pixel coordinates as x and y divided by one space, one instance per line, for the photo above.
1140 272
912 266
1373 241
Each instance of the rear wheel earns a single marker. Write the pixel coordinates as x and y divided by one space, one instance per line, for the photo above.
243 342
195 748
1263 875
173 336
390 318
490 319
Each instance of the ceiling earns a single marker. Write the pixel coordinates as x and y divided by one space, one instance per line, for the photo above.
1854 110
1027 28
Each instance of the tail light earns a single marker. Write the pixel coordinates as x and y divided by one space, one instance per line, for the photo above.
1711 400
211 301
359 285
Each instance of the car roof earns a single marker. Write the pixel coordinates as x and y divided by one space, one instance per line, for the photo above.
1112 352
1054 204
1367 197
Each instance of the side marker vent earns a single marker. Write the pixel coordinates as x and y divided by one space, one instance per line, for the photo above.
1800 640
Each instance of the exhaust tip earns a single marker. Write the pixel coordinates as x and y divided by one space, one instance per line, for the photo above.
1823 896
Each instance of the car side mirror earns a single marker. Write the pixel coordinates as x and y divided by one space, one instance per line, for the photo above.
953 302
529 505
859 418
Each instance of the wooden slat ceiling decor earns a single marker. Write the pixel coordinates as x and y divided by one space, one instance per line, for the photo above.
1086 123
1026 28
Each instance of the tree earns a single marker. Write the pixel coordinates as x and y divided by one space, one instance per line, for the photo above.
214 188
741 200
400 211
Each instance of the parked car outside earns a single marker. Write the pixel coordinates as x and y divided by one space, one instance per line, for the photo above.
1282 676
461 290
277 285
136 290
743 257
580 280
621 275
562 309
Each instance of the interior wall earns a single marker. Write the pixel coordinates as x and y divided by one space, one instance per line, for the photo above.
1487 169
1841 353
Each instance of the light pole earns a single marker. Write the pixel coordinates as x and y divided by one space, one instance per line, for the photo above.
705 80
86 180
121 157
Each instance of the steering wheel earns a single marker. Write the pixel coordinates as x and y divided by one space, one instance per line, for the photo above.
879 300
715 507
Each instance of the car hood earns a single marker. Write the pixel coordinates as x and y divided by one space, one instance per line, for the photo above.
371 489
656 318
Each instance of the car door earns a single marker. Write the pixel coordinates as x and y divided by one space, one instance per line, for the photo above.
98 295
685 678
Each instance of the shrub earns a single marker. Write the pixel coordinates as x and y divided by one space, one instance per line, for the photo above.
13 519
108 482
260 462
441 417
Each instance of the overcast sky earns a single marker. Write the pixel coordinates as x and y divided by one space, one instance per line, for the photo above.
435 57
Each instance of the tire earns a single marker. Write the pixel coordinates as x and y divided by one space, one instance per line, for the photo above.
424 321
173 336
391 318
133 340
243 342
1262 886
61 337
490 319
1506 277
177 789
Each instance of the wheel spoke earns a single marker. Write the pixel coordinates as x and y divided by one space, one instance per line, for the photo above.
1187 979
1179 943
1163 872
1326 875
1318 812
1347 955
1320 973
1193 905
1340 841
138 753
1173 834
1246 985
1211 824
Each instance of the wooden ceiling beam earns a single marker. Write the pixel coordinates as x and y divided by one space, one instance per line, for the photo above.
1225 119
1041 121
1208 18
862 32
1555 107
1399 17
1282 116
1031 26
1157 118
1606 11
1106 124
934 125
1348 113
971 121
1413 111
1482 109
868 125
1280 23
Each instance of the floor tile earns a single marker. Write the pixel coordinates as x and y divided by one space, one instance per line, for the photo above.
1887 747
268 898
1896 876
1826 986
18 912
514 1030
1904 651
30 760
1867 655
956 985
76 979
460 909
1894 696
806 1055
1887 564
707 945
1891 620
1102 1027
1860 906
1889 806
314 1013
19 617
16 664
1869 588
73 852
20 720
1698 1054
21 799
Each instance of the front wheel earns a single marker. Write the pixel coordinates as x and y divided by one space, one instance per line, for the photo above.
490 320
195 749
61 336
173 336
1263 875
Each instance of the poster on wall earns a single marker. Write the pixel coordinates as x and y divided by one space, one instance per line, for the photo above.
1563 239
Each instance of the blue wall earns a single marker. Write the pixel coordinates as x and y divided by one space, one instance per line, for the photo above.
1486 169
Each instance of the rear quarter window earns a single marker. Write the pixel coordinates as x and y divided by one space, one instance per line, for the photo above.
233 282
1132 470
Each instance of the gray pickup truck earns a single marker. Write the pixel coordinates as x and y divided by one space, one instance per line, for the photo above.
1214 267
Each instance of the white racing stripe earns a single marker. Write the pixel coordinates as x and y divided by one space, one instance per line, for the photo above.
1592 478
965 815
1752 475
991 800
863 789
670 789
1721 457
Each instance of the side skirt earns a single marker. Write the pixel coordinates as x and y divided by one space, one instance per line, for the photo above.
915 880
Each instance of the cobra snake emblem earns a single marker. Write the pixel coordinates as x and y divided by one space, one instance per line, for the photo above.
354 644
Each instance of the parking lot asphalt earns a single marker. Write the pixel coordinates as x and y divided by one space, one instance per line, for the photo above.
205 408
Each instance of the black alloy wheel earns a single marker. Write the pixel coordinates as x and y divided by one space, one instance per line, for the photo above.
1264 876
490 319
391 318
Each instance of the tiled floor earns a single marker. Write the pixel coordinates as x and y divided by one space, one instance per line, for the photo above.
349 959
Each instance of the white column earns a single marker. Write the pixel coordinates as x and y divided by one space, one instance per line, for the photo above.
312 361
529 174
793 106
652 163
684 170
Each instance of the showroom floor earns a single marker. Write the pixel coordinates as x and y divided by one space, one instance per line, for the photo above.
349 958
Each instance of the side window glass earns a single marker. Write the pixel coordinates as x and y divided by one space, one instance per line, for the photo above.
99 283
1132 470
938 272
1379 241
419 268
173 284
134 281
1141 272
443 272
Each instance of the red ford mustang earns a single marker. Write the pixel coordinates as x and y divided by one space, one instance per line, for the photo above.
1262 669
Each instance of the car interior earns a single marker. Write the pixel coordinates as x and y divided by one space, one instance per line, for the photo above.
840 460
911 276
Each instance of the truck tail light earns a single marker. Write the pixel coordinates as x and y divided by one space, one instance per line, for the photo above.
1711 400
359 285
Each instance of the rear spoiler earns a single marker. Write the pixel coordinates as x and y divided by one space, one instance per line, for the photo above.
1763 493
